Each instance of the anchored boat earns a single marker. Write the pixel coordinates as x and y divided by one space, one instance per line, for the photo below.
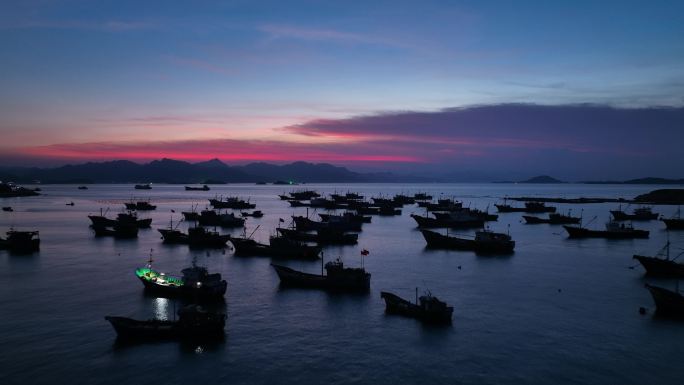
193 322
427 308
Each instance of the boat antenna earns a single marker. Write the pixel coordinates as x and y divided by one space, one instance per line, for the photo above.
252 233
150 260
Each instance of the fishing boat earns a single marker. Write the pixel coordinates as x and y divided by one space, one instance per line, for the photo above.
668 302
82 187
278 247
427 308
614 230
193 322
661 265
340 223
21 241
128 218
338 277
7 208
465 212
253 214
196 236
553 219
140 205
484 242
675 222
146 186
460 221
118 230
195 282
530 207
203 188
231 203
212 218
10 190
639 214
347 216
422 197
322 236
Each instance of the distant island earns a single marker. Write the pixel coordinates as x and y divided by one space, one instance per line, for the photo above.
210 172
648 180
537 179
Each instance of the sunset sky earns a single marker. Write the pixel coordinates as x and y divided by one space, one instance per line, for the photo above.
578 89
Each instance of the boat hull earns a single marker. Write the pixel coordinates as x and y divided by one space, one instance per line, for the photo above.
667 302
399 306
658 267
294 278
674 224
580 232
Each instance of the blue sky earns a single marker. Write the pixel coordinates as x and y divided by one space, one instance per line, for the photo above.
132 72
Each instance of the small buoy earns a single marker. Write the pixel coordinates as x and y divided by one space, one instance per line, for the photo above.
642 310
459 267
559 290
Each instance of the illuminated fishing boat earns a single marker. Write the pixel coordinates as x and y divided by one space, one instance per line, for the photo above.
427 308
195 282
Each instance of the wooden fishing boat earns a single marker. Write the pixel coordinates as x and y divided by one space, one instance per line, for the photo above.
338 277
668 302
662 267
427 308
193 322
613 230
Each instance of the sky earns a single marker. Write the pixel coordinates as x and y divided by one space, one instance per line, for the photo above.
581 89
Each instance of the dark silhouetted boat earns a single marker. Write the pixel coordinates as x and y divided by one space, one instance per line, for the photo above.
140 205
459 221
231 203
484 242
340 223
146 186
676 222
82 187
278 247
196 237
10 190
553 219
203 188
530 207
466 212
640 214
118 230
322 236
128 218
668 302
347 216
212 218
614 230
422 197
195 282
21 241
253 214
662 267
7 208
193 322
427 308
338 277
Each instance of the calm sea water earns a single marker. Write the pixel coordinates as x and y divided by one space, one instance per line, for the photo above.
558 311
